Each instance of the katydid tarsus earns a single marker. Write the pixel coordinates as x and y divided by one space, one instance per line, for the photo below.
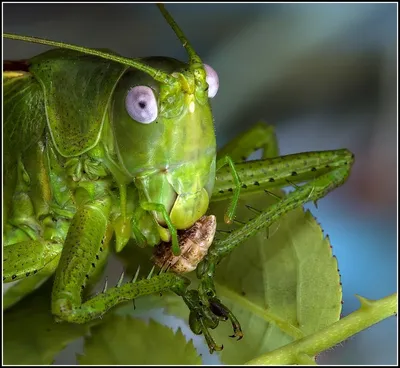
139 163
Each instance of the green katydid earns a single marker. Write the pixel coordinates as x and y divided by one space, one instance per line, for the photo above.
97 145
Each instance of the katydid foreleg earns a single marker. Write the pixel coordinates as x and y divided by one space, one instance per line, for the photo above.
28 264
80 257
338 170
322 172
27 258
281 171
311 191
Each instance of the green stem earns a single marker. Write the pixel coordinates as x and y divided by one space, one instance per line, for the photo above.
370 312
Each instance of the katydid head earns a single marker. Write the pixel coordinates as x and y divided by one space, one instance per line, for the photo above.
164 132
165 139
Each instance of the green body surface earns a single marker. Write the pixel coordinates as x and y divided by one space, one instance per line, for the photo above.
69 161
82 177
104 150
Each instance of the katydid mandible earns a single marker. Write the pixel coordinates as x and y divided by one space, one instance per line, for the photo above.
100 147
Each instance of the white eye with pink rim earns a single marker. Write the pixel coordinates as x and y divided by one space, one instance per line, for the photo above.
141 104
212 80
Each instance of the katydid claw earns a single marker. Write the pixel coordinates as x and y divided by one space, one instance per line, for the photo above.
206 314
238 334
224 313
218 348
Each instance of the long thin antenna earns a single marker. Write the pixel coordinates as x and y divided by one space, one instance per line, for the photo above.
157 74
194 59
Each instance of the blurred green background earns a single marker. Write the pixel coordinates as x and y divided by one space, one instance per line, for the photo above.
325 75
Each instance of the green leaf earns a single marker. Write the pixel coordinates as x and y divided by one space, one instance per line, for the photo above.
30 334
125 340
282 284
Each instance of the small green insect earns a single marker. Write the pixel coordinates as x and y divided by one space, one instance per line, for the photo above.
97 145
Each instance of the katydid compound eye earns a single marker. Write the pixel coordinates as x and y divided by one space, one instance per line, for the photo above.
212 80
141 104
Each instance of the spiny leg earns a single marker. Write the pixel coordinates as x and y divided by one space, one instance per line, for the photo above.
260 136
201 318
27 264
280 171
310 191
27 258
97 306
324 171
79 259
